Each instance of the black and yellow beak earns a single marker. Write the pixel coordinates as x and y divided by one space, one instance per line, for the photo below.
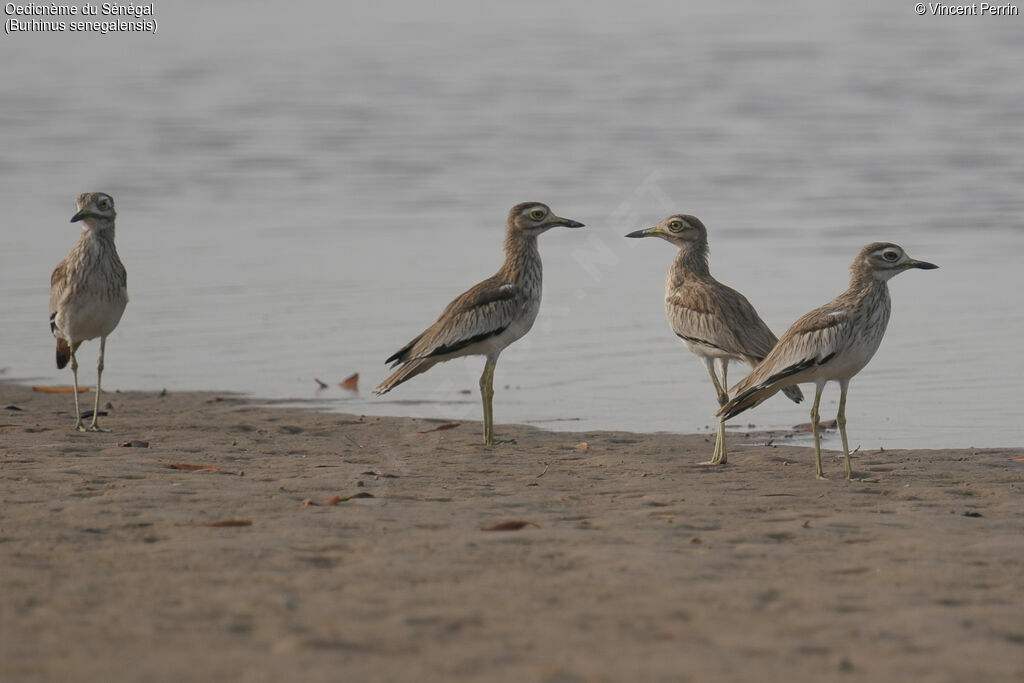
558 221
923 265
646 232
80 215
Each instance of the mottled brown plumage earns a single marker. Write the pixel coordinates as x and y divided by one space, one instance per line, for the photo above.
833 342
491 315
88 291
714 321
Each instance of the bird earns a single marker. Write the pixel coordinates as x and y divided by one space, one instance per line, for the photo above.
712 320
831 343
88 292
488 317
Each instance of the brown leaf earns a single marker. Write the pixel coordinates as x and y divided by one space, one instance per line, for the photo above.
440 427
509 526
193 468
361 494
321 384
58 390
134 443
227 522
332 500
582 446
351 382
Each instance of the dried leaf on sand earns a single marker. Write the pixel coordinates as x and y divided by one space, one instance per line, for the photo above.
351 382
58 390
332 500
227 522
193 468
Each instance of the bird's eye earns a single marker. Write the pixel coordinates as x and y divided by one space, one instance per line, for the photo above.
675 226
537 214
890 256
103 203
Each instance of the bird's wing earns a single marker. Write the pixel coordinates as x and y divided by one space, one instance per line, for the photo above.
484 311
812 340
58 282
721 318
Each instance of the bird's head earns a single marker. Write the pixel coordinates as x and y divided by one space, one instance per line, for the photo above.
533 218
96 209
682 230
885 259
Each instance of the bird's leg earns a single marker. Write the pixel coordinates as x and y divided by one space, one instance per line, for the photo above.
723 396
719 456
841 421
817 433
95 425
723 367
74 374
487 394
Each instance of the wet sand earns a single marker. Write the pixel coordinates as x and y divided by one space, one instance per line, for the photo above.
642 564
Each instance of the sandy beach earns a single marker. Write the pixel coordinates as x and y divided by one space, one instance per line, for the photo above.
636 564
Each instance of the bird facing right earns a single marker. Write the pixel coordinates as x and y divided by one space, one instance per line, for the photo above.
831 343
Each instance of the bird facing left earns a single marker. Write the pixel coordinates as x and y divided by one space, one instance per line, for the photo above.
88 292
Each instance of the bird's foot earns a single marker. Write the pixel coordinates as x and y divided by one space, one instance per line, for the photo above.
80 426
95 428
715 460
820 477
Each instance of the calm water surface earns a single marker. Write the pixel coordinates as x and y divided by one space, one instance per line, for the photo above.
302 189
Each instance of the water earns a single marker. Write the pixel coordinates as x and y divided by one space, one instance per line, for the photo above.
302 188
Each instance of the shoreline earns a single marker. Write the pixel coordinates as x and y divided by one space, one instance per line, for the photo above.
637 563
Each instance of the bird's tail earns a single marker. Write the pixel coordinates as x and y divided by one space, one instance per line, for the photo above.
748 398
405 372
793 393
63 353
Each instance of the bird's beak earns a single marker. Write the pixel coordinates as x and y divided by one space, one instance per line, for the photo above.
923 265
557 221
646 232
79 216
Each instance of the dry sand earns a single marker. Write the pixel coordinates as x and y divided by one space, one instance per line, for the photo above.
643 566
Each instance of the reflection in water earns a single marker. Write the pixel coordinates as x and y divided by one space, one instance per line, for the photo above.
296 204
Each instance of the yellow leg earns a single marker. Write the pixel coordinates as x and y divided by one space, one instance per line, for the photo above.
817 432
487 394
841 421
720 455
95 425
74 374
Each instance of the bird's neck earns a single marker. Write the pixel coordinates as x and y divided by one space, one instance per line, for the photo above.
867 292
522 258
691 262
103 232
